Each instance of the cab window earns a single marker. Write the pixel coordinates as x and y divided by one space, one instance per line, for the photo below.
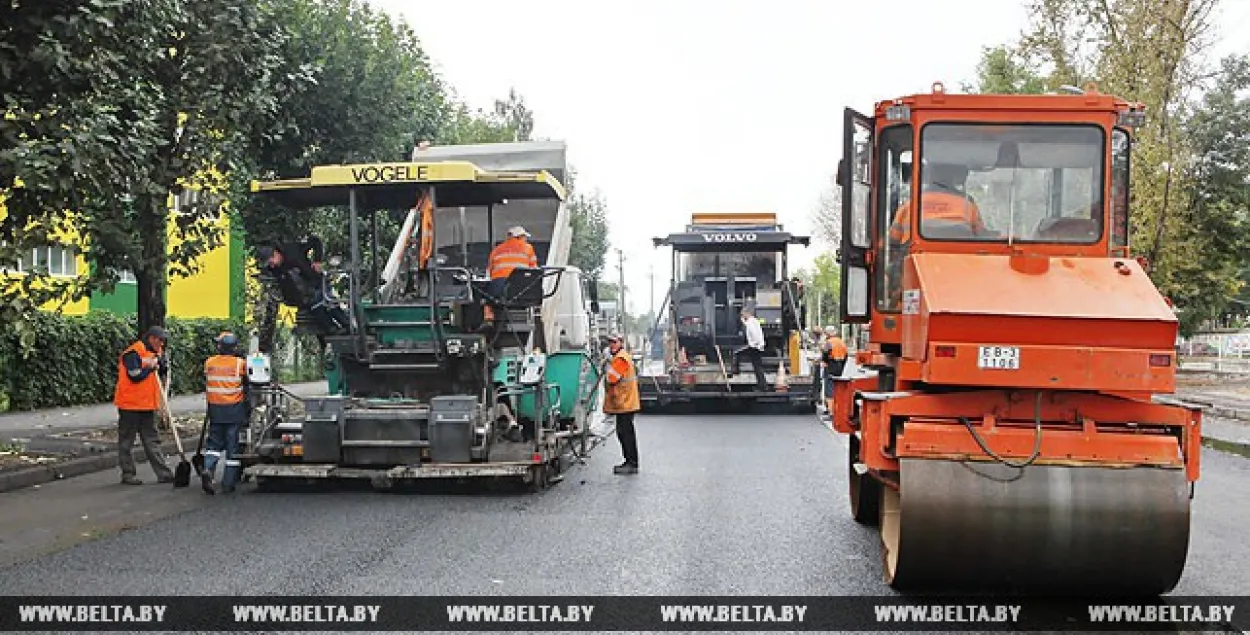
894 181
1035 183
1119 188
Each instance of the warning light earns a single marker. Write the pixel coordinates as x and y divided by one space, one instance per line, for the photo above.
1161 360
944 351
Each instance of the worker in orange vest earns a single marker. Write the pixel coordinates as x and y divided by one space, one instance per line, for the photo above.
622 400
940 201
515 251
137 396
229 408
833 353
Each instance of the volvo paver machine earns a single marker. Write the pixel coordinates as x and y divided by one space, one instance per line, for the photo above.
425 384
721 264
1011 427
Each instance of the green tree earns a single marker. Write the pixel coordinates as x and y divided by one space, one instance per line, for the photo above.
178 88
63 137
1216 218
1004 70
823 285
372 95
1151 52
589 217
510 120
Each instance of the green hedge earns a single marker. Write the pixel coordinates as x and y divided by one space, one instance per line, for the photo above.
72 360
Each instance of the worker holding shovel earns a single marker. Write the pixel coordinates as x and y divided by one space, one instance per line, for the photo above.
229 408
138 397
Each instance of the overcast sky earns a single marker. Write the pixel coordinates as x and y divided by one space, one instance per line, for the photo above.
671 107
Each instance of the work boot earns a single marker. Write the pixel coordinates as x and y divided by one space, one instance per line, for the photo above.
128 479
206 482
625 468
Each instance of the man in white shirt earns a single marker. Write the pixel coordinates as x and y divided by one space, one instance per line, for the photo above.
754 350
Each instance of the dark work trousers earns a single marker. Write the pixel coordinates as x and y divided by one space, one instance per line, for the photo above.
833 369
628 436
818 381
756 357
142 423
329 315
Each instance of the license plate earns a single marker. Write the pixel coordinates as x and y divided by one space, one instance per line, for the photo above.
999 357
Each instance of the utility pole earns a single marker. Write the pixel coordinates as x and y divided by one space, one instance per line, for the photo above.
651 311
624 315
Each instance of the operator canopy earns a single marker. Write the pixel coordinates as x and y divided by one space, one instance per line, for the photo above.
395 185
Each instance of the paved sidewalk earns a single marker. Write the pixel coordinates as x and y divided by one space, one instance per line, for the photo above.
53 420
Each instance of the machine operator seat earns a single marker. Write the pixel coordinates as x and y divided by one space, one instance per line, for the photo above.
946 230
523 289
1079 230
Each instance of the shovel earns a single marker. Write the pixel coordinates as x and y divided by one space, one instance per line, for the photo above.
197 461
182 473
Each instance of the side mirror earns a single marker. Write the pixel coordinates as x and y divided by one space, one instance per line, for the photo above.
841 171
594 307
592 290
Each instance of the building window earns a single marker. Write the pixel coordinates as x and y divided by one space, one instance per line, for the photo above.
58 260
126 277
189 201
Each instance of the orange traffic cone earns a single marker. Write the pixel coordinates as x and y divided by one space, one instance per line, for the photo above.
782 384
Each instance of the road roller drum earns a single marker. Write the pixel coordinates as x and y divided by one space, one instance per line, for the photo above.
1080 529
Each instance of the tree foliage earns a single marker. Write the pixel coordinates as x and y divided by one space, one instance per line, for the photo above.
1154 53
827 216
823 285
1215 232
369 93
136 101
1004 70
589 218
510 120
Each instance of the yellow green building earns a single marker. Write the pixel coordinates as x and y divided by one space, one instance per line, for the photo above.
216 290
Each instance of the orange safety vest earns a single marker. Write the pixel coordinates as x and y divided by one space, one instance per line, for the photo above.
940 206
143 395
835 349
622 389
224 380
510 254
427 231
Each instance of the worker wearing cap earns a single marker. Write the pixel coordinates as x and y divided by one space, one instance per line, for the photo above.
137 397
833 353
622 400
940 201
515 251
229 407
297 268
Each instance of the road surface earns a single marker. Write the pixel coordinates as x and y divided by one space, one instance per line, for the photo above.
723 505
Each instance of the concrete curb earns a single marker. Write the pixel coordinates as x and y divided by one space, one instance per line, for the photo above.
1227 413
40 474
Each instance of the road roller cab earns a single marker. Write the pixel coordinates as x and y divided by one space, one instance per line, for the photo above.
1005 420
